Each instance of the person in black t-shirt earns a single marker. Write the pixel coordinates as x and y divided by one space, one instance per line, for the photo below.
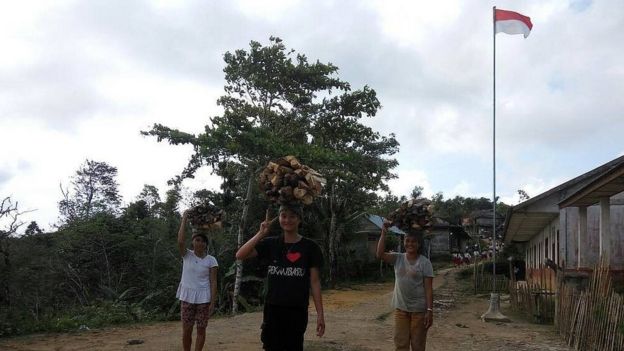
294 264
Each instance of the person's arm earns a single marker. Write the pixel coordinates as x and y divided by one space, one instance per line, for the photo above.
381 245
213 289
248 250
181 232
429 301
315 286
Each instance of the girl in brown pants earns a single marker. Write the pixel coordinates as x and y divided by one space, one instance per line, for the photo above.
413 292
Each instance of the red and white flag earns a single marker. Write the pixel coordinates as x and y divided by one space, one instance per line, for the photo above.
512 23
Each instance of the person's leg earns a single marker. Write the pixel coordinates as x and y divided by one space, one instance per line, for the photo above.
201 317
187 315
200 338
187 337
401 330
270 331
294 326
418 332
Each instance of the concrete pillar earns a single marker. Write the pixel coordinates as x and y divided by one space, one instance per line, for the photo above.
605 229
581 236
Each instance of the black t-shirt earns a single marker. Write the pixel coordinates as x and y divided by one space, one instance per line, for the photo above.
288 269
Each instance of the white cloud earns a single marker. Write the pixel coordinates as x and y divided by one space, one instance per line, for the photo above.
271 10
533 187
410 23
81 79
410 178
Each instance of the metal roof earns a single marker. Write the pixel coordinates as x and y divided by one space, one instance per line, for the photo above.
378 221
528 218
606 185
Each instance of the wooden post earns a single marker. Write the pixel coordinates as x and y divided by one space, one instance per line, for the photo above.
581 240
475 278
605 229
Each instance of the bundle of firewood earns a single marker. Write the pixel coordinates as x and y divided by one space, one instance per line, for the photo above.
415 214
206 216
286 180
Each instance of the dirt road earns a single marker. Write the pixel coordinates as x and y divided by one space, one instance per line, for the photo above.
357 319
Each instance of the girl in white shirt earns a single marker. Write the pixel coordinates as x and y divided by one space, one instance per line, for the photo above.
198 287
412 297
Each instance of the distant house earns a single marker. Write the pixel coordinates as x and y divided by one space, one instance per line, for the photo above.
442 240
573 225
479 224
367 235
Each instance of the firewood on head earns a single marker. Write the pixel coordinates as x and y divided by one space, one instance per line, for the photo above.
206 216
414 214
299 193
286 180
294 163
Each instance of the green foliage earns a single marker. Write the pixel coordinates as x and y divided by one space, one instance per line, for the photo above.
465 273
94 191
105 269
417 192
453 210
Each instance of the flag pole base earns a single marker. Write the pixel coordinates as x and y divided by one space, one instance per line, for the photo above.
493 313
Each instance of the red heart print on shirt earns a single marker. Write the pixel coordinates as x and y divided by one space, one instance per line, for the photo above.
293 256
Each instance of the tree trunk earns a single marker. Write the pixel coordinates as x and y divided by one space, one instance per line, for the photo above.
108 268
241 230
333 260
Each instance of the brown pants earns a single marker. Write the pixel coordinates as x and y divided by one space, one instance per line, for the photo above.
409 330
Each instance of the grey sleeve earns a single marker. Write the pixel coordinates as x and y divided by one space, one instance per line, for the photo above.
428 269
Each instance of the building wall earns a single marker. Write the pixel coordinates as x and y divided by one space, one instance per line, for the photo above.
544 245
568 219
439 242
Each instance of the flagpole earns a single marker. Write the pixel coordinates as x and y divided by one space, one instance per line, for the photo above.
494 150
493 313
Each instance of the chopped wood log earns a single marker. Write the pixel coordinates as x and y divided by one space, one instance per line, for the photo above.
415 214
286 180
206 216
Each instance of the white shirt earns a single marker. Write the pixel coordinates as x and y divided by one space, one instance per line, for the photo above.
409 285
195 283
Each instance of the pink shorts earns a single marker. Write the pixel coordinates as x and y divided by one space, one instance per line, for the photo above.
195 312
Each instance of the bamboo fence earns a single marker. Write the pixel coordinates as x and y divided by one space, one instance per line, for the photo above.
536 297
592 319
482 281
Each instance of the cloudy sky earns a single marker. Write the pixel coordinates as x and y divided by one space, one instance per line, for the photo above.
80 79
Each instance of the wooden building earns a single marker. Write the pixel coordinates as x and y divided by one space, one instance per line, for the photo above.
574 225
479 224
442 240
367 235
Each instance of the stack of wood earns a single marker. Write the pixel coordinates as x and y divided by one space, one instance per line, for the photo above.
415 214
287 181
206 216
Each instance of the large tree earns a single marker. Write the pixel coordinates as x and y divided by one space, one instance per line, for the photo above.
278 103
94 190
